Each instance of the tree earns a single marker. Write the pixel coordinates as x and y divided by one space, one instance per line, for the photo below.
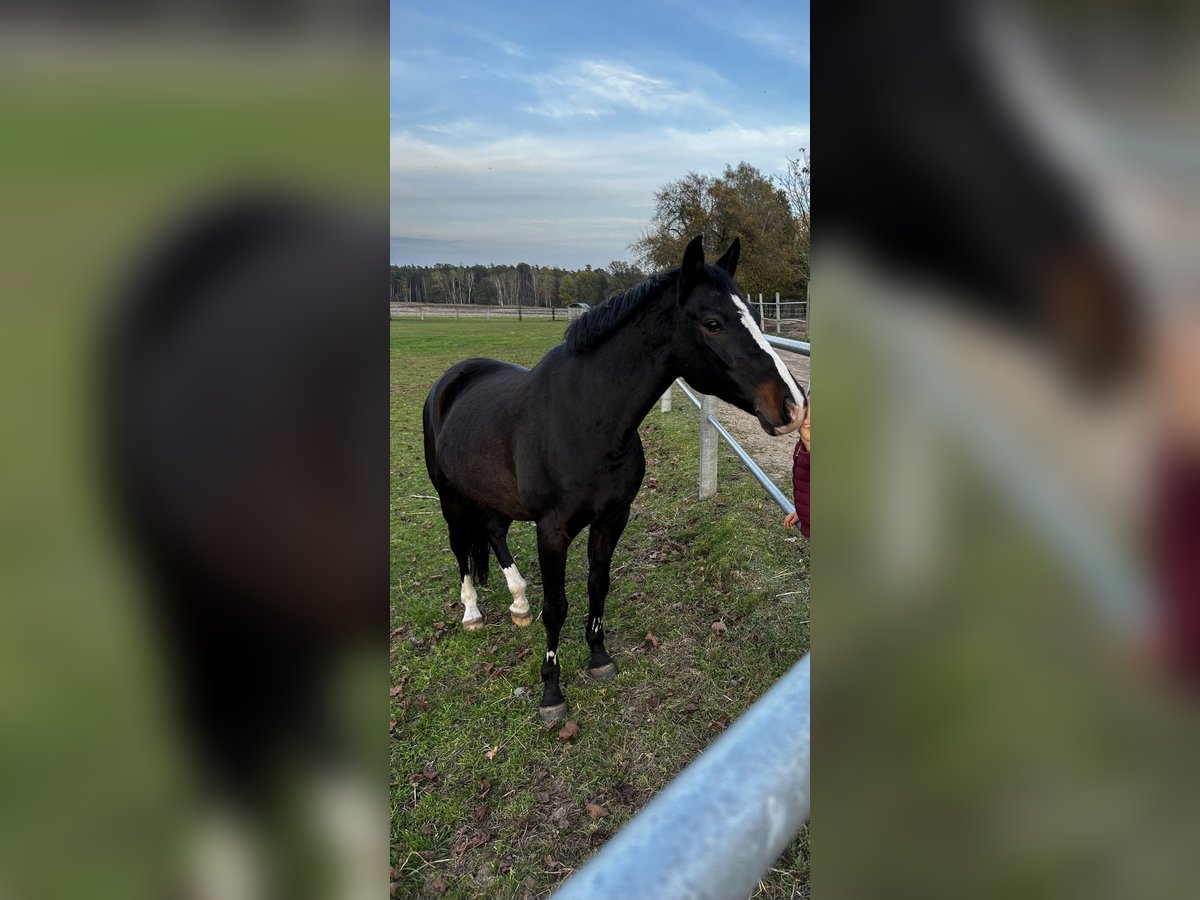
743 203
623 275
797 185
682 210
567 293
592 285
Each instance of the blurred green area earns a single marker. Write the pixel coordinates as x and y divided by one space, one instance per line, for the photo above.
102 153
980 731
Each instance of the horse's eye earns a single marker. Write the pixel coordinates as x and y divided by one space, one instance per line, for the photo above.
712 326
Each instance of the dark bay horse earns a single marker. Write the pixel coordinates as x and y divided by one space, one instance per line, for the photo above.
558 444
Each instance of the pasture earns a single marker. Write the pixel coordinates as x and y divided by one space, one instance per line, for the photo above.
708 605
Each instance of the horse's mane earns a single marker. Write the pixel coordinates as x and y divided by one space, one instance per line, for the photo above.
596 325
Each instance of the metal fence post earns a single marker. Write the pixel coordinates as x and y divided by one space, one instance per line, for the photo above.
708 447
777 323
666 398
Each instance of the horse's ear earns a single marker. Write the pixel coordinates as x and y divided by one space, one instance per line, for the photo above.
693 261
729 261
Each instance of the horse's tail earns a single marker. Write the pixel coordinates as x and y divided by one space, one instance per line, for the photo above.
479 551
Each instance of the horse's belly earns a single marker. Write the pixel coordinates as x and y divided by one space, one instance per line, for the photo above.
484 476
499 496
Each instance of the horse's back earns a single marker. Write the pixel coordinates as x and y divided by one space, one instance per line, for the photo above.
468 375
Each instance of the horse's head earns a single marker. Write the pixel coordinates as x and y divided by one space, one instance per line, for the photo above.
720 348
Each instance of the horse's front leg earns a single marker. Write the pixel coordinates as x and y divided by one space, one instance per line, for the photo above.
553 543
602 541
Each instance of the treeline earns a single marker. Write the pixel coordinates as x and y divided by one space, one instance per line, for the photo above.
519 285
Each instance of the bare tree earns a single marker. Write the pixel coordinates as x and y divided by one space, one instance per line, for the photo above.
796 183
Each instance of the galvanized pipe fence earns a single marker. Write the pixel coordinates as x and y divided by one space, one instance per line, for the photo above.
717 827
720 824
711 429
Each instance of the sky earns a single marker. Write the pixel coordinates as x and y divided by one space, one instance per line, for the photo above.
539 132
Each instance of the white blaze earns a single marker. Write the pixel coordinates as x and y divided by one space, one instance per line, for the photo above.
516 587
755 332
469 600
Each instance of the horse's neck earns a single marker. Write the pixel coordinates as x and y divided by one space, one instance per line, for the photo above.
632 369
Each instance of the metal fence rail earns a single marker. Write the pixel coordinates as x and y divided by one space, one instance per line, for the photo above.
711 428
713 831
708 475
804 348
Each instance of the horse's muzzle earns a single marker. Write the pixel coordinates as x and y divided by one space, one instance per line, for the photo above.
795 416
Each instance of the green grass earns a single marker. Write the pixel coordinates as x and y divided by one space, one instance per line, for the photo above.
515 825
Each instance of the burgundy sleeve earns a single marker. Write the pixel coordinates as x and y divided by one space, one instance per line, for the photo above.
800 463
1176 533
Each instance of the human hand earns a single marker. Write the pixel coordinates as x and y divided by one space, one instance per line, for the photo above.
790 520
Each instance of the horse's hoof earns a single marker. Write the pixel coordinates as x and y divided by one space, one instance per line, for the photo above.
551 714
604 673
522 620
473 624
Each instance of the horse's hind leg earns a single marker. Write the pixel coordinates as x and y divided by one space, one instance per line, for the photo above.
498 537
461 534
602 541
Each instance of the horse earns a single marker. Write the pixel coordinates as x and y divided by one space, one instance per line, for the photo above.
931 169
241 441
558 444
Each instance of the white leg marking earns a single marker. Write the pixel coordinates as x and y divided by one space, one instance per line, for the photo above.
551 656
755 332
516 586
349 813
226 858
469 600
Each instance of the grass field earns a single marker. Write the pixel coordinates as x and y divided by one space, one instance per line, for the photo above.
485 801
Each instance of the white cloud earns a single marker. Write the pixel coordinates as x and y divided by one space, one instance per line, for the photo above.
782 36
594 191
611 155
734 143
785 41
595 87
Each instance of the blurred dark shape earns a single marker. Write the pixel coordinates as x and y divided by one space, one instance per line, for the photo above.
931 171
243 390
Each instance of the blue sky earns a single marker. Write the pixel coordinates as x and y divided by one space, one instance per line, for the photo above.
539 132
